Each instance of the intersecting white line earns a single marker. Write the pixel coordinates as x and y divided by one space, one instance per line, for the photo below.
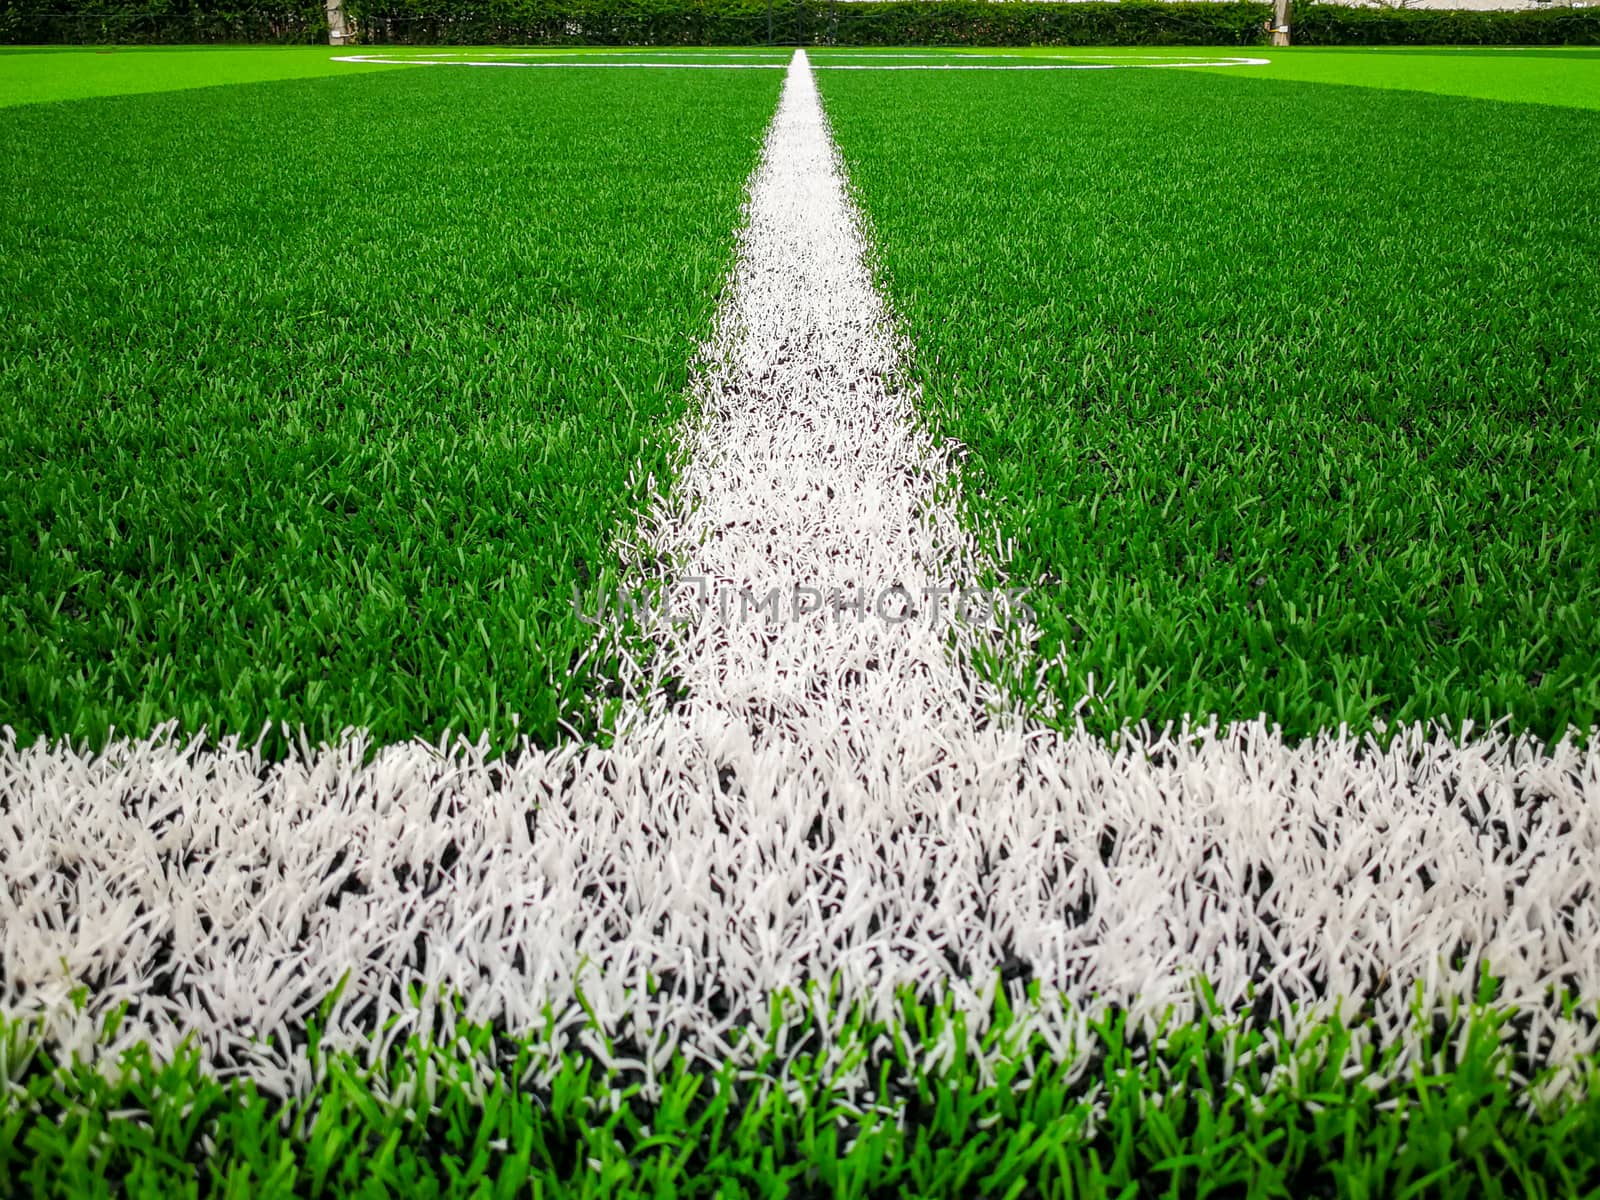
1122 62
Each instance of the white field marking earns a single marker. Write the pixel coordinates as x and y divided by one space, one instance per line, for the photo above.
1045 66
832 52
829 51
843 799
580 52
1121 62
575 63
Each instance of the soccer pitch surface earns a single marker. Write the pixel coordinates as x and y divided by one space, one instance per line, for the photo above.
598 468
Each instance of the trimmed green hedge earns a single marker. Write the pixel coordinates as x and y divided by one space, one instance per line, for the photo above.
1341 25
1022 23
947 23
575 22
808 22
173 22
812 22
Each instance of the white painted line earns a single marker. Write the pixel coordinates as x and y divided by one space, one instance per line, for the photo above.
466 62
1094 66
796 798
780 55
832 52
1120 63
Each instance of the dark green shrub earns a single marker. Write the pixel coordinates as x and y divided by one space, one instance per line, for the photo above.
51 22
948 23
1341 25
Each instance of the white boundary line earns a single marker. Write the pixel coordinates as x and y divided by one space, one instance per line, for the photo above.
662 64
458 62
780 53
1108 66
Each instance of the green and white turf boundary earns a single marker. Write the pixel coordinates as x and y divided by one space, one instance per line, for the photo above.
805 819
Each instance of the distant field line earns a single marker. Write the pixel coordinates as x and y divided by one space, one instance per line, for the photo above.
1120 62
459 62
1049 66
778 54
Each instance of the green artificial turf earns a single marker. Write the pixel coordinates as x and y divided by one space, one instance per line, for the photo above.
1566 77
1570 78
1187 1110
1285 393
320 398
36 75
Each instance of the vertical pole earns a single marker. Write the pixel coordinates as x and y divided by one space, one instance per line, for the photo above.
769 22
338 35
1280 22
